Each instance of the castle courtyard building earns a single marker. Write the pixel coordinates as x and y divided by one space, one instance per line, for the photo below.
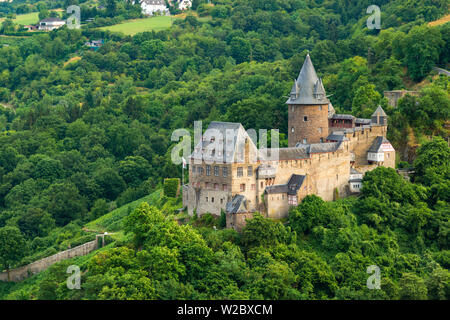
327 155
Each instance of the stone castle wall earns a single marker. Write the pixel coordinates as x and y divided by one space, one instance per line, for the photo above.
326 171
41 265
203 200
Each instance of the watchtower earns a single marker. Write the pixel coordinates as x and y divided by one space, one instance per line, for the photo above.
308 108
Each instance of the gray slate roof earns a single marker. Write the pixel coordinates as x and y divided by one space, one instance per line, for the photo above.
324 147
308 88
293 153
379 112
233 137
363 121
354 171
376 144
155 2
277 189
236 205
337 136
52 19
343 117
294 184
304 151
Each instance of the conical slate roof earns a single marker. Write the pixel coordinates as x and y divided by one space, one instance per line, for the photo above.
379 112
308 88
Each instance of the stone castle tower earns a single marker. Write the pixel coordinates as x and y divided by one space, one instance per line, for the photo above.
308 108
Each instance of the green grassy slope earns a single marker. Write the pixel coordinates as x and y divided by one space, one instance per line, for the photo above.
140 25
112 221
24 19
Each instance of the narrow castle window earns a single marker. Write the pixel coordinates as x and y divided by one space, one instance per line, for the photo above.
305 118
320 108
225 171
250 171
208 170
212 199
240 172
292 129
216 171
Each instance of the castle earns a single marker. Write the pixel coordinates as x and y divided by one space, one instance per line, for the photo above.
327 155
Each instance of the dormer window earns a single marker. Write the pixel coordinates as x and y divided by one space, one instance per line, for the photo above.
318 96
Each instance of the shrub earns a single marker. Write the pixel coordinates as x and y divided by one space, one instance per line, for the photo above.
171 187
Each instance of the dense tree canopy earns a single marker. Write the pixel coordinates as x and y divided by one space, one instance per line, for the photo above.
83 132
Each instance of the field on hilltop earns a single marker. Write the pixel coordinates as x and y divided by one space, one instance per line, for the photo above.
24 19
133 27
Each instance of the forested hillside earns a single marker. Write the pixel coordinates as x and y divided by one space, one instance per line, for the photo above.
84 132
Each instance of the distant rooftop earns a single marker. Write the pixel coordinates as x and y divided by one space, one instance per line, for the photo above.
52 19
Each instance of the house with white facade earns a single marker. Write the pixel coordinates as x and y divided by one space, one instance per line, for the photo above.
49 24
154 7
355 181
